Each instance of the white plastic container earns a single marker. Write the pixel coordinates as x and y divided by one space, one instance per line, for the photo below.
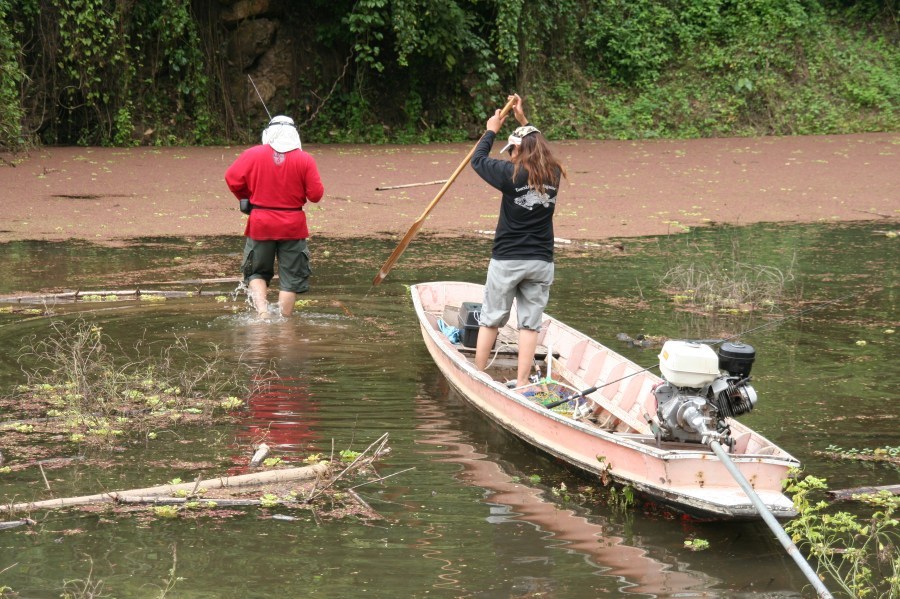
686 364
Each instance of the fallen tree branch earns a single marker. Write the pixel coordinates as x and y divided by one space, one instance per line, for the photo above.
84 296
257 478
156 500
369 482
46 483
381 441
362 502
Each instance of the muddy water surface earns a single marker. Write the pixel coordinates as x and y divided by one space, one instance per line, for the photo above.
473 512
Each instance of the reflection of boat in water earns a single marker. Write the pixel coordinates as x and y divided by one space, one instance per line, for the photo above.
608 430
598 541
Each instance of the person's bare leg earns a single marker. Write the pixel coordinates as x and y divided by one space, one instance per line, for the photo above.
286 301
527 346
486 338
258 291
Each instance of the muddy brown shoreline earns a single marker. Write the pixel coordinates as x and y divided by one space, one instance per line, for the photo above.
615 188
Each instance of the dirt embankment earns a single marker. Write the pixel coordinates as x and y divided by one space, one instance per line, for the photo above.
615 188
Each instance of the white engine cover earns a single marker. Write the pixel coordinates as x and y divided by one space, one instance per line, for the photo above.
687 364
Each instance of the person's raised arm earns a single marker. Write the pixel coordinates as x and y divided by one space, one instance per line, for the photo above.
519 110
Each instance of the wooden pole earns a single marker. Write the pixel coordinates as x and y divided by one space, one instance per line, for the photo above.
410 185
259 456
401 247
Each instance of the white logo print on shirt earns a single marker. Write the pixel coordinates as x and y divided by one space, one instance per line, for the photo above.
532 198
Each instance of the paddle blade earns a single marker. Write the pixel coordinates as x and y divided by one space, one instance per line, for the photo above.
398 251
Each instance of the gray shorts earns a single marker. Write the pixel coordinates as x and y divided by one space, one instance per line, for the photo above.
526 281
293 263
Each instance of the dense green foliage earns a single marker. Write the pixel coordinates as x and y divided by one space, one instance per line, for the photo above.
102 72
123 72
11 111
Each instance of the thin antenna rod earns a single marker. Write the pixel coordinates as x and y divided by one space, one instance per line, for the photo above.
258 95
788 317
586 392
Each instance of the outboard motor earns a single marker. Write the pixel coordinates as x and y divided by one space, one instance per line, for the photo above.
702 388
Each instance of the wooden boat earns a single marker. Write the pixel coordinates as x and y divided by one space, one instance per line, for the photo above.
613 432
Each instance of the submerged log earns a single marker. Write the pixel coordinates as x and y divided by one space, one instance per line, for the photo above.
847 494
104 293
16 523
82 296
259 456
257 478
198 281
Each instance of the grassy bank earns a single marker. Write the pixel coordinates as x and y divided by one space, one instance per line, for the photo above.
97 72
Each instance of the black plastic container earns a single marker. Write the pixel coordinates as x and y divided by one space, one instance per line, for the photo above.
736 358
469 313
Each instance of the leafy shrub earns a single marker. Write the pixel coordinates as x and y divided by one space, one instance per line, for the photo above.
860 553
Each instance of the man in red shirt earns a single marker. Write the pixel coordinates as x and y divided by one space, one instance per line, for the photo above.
273 181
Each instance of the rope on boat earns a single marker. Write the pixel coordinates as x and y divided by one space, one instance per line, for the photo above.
770 520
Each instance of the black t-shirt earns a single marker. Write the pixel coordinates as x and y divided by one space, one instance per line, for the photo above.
525 227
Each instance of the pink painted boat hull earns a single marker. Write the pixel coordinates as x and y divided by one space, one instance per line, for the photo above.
620 445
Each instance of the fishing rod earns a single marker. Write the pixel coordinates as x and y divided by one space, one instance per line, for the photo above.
586 392
245 206
786 318
258 95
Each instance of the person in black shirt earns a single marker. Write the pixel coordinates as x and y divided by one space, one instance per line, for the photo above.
521 265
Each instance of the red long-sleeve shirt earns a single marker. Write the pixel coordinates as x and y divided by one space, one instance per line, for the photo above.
284 182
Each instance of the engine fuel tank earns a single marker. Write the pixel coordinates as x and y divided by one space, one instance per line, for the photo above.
688 364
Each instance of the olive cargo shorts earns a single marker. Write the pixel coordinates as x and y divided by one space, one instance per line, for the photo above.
293 263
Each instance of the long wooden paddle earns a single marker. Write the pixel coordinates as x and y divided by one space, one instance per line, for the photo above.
401 247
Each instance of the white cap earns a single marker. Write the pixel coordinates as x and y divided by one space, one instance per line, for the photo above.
281 134
516 138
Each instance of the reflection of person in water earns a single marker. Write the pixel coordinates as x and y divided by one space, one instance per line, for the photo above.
282 415
283 412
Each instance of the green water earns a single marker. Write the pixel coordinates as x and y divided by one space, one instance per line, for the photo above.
466 520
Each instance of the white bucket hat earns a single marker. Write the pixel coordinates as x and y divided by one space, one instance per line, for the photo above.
516 138
281 134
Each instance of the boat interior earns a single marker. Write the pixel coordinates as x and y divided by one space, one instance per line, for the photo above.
553 384
623 403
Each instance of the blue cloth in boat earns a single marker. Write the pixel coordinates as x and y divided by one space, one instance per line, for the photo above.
452 333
